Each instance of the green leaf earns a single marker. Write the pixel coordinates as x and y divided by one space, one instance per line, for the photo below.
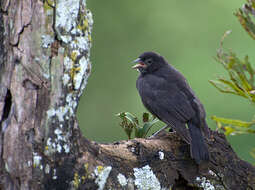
250 70
130 123
133 119
233 86
229 130
235 130
139 132
221 87
233 122
233 126
147 125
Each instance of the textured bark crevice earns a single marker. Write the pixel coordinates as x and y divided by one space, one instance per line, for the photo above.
225 167
175 169
44 67
2 47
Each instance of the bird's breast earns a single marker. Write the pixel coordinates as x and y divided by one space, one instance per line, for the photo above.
153 83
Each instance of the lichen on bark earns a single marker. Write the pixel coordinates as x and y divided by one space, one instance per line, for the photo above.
44 71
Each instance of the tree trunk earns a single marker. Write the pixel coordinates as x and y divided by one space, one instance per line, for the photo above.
44 66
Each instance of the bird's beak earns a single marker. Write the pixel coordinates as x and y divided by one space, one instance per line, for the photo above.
139 63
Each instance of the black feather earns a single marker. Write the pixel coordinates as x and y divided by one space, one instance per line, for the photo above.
165 93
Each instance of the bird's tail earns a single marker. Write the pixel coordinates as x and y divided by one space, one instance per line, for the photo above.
199 150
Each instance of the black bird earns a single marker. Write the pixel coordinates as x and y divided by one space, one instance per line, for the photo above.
166 94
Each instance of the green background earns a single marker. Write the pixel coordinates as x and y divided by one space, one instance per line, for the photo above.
187 34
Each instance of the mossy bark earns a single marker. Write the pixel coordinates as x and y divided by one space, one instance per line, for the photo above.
44 66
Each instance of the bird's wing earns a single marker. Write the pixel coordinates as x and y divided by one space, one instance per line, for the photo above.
199 109
174 110
169 106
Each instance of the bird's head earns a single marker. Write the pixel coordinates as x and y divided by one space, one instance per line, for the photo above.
149 62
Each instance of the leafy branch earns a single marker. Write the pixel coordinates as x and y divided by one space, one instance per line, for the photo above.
240 82
241 75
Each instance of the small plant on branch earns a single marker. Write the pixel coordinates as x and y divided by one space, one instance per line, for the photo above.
130 123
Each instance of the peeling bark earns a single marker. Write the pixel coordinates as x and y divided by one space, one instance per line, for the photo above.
44 67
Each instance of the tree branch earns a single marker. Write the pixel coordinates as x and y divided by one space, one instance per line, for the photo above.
44 69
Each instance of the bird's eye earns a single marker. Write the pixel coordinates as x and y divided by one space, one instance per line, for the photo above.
149 61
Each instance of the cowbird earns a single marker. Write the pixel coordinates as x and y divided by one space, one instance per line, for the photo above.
165 92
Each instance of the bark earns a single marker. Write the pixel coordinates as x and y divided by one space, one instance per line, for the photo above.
44 67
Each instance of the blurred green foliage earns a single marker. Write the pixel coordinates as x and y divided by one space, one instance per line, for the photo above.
187 34
241 76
